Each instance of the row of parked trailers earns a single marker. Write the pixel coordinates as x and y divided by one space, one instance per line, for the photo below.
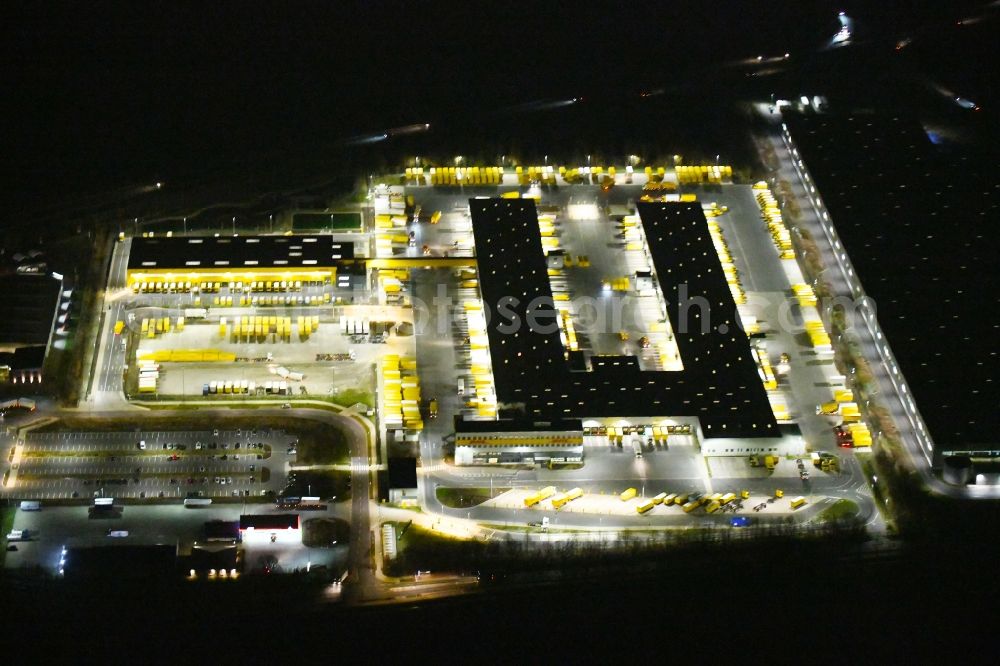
243 386
483 397
703 175
401 393
353 326
728 266
252 328
149 375
150 328
559 500
771 213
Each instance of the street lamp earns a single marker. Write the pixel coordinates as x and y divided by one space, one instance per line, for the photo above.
234 225
185 225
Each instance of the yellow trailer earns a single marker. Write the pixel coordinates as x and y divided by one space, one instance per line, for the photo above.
645 506
690 506
658 499
560 500
543 494
628 494
669 499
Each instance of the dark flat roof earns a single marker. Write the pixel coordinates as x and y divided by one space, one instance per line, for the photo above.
719 383
222 530
920 229
24 358
27 308
238 252
120 561
270 521
202 559
403 472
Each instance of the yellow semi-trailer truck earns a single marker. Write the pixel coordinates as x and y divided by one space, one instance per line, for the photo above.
561 500
543 494
628 494
645 506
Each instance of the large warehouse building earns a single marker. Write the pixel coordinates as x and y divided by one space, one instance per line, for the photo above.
237 258
718 394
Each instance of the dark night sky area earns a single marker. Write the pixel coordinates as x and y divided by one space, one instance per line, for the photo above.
107 95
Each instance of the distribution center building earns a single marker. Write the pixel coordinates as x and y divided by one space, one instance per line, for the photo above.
718 392
237 258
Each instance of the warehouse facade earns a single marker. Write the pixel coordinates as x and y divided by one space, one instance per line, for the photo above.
237 258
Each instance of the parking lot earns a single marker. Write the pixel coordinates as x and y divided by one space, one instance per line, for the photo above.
156 464
55 527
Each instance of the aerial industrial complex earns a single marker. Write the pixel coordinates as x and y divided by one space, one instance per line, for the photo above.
543 348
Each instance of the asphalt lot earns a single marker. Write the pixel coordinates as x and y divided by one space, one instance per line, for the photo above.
90 464
56 527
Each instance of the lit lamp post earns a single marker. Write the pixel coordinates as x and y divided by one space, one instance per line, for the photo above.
234 225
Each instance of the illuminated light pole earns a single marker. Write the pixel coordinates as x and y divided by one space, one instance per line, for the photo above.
234 225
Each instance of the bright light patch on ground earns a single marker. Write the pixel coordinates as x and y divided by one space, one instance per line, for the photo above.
583 211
